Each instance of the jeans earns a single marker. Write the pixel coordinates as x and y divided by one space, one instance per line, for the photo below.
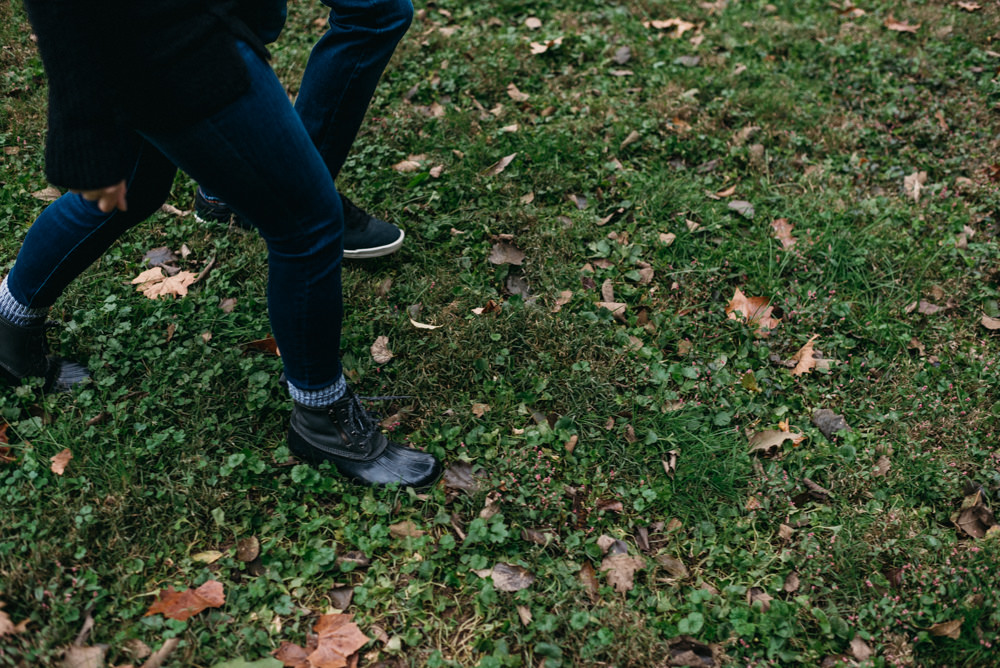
257 155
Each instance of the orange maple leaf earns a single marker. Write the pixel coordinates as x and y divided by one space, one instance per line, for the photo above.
805 361
335 645
755 311
181 605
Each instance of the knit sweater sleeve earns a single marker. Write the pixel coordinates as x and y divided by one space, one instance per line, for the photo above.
87 146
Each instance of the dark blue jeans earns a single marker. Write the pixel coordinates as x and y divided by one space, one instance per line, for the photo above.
257 155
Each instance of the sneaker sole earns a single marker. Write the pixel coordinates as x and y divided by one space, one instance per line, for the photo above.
375 251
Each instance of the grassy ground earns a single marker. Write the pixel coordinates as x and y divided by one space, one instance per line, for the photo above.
577 424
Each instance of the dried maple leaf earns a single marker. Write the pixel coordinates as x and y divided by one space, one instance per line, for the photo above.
756 312
60 461
182 605
7 627
155 284
768 442
339 639
266 345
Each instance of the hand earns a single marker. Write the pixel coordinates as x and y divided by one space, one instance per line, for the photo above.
108 199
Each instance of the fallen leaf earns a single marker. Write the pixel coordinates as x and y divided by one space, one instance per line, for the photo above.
686 651
506 253
667 238
726 192
882 466
821 494
338 639
975 518
900 26
7 627
423 325
516 94
405 529
791 583
589 580
60 461
805 362
758 595
783 232
49 194
341 597
532 23
227 305
860 649
510 577
990 323
675 567
617 309
913 184
154 284
380 350
678 26
564 298
84 657
951 629
207 557
159 257
497 167
182 605
969 6
743 208
538 48
620 569
756 312
785 532
480 409
670 463
524 613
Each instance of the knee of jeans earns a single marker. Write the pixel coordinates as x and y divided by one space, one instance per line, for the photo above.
395 16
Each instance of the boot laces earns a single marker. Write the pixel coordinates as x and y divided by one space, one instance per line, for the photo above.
364 420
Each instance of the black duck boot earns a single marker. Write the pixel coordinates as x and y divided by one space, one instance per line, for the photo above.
24 354
348 436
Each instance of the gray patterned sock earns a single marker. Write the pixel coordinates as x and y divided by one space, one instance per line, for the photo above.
319 398
17 313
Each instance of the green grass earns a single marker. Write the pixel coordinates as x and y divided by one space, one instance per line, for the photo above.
178 443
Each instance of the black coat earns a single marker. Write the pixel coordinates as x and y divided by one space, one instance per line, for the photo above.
117 66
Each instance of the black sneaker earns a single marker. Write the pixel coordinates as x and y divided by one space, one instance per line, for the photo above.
348 436
208 209
366 236
24 354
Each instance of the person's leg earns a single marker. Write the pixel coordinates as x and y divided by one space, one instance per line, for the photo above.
258 157
340 78
69 235
343 70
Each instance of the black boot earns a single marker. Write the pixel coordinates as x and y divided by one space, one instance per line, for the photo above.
348 436
24 354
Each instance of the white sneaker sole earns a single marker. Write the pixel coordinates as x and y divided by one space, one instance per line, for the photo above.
375 251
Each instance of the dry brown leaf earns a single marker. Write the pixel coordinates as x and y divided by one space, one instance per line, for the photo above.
532 23
406 529
60 461
620 569
406 166
608 290
677 26
951 629
564 298
524 613
969 6
667 238
755 311
7 627
769 441
380 350
506 253
182 605
538 48
500 165
783 232
990 323
860 649
805 362
727 192
882 466
83 657
589 580
758 595
480 409
155 284
791 583
913 184
49 194
516 94
247 549
207 557
510 577
675 567
900 26
785 532
617 309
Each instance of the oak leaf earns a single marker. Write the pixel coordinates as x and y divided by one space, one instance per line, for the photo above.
783 232
804 359
620 569
182 605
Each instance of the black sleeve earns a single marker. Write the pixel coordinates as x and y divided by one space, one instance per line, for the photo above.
87 146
